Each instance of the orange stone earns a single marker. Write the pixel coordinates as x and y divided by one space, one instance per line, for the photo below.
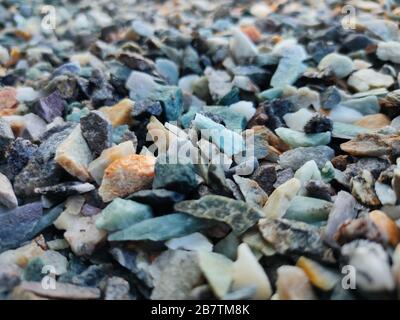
386 225
120 113
127 175
373 121
252 32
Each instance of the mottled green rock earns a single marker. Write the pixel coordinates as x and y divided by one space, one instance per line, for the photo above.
218 271
179 177
120 214
300 139
239 215
161 228
171 99
308 209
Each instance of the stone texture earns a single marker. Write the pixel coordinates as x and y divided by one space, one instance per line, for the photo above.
97 131
127 175
74 155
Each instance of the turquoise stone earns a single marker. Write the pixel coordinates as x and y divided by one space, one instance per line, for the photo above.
300 139
171 99
232 120
161 228
120 214
308 209
347 130
228 141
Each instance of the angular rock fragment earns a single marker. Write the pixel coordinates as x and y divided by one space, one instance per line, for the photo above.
50 107
343 208
252 192
97 131
279 200
97 167
80 232
74 155
293 237
120 214
127 175
218 271
161 228
16 224
235 213
175 274
120 113
297 157
372 265
192 242
293 284
248 272
319 275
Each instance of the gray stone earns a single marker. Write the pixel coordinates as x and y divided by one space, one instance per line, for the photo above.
16 224
297 157
97 131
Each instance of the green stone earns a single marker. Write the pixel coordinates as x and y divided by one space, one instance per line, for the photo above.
228 141
347 130
231 97
239 215
288 71
217 269
366 105
118 133
180 177
161 228
270 94
171 99
300 139
232 120
121 214
308 209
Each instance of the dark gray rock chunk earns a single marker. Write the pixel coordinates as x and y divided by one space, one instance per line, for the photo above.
16 224
97 131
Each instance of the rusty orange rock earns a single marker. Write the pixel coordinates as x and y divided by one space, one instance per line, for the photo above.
386 225
252 32
127 175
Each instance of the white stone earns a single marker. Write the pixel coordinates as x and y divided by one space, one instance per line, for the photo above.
245 108
192 242
7 195
297 120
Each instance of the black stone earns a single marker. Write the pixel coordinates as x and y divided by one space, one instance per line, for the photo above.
317 124
18 154
97 131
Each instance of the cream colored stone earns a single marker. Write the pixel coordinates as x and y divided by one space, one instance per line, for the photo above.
279 200
248 272
74 155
